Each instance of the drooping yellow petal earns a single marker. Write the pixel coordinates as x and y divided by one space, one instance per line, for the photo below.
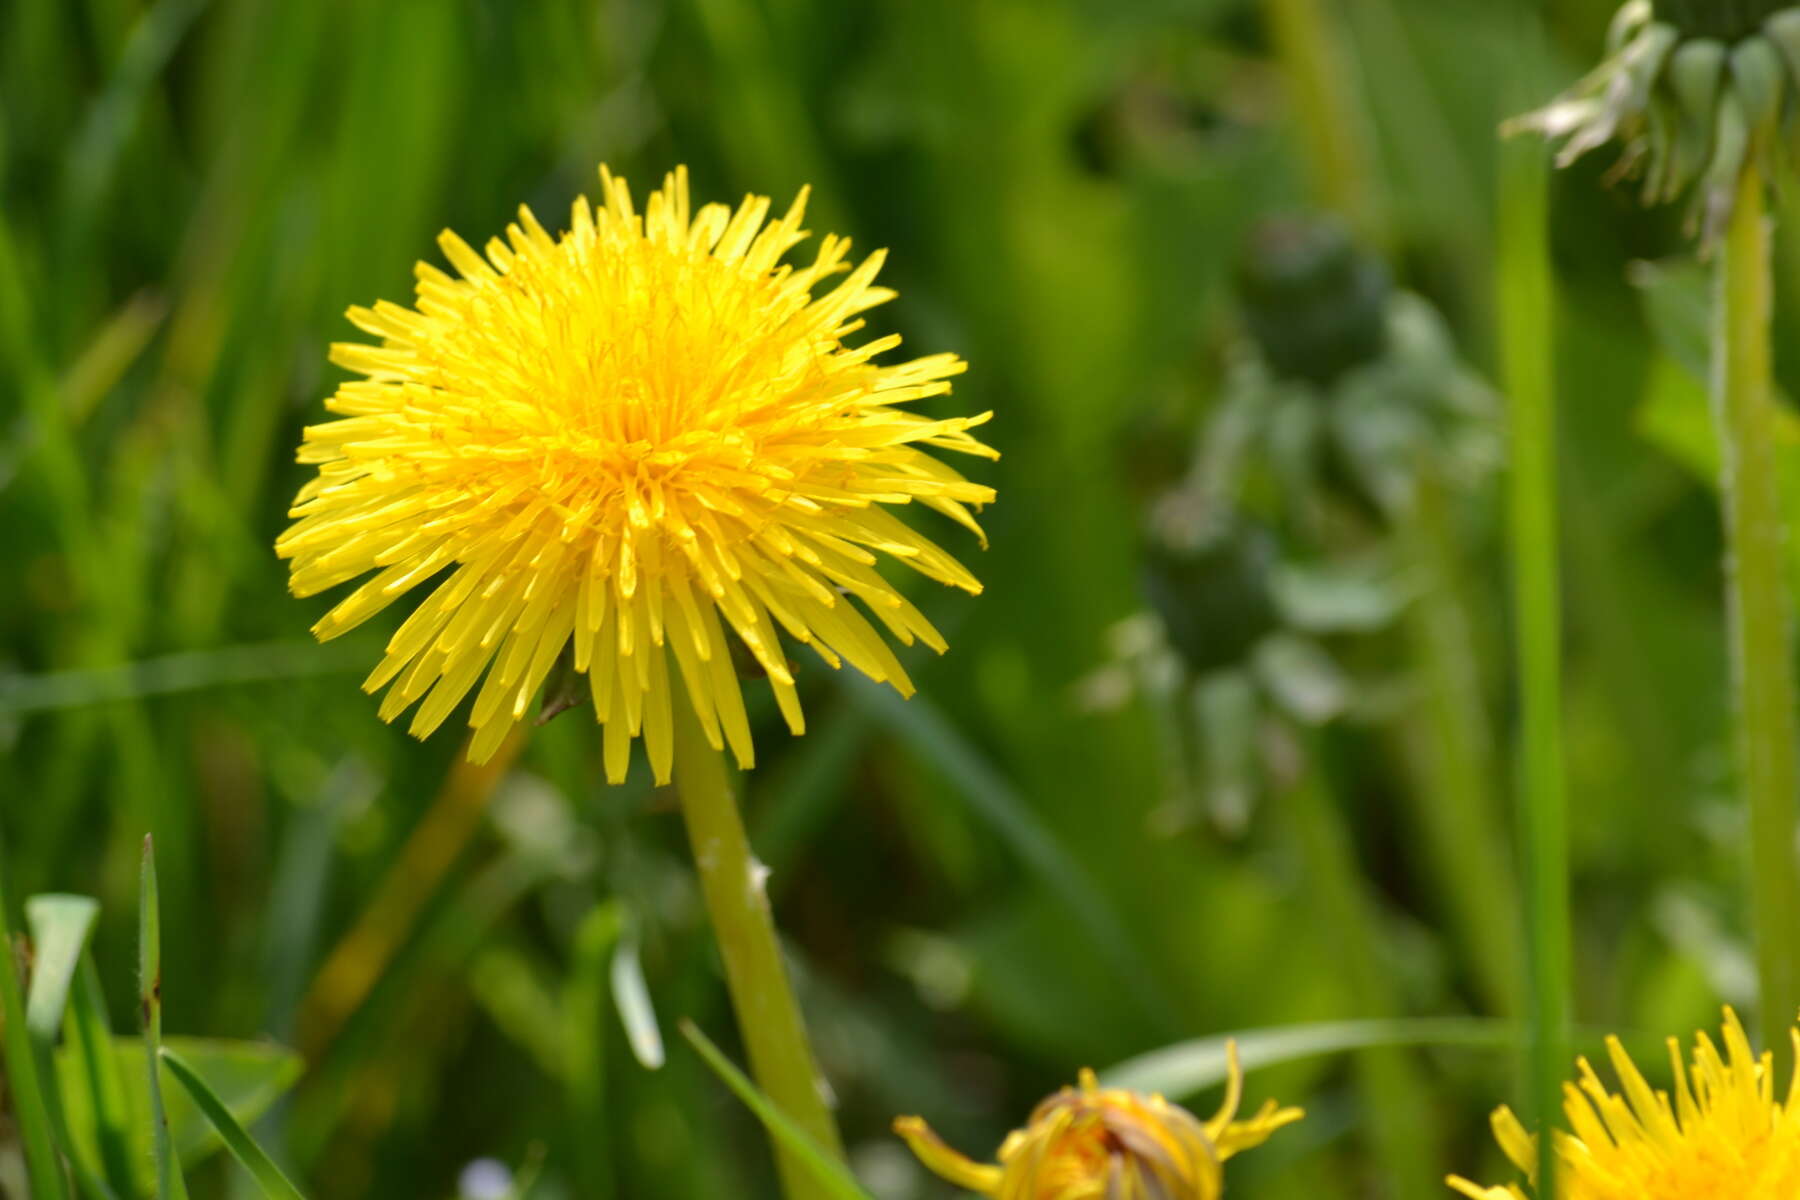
1093 1143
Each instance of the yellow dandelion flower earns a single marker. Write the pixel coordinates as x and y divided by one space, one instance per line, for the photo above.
625 439
1723 1136
1094 1143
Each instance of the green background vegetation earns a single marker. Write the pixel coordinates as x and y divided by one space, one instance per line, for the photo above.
192 193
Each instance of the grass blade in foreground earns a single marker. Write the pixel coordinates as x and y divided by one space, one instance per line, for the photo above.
242 1146
169 1184
1527 351
1188 1067
832 1175
88 1042
43 1166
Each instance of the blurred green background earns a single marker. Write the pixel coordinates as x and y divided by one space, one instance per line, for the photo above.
982 889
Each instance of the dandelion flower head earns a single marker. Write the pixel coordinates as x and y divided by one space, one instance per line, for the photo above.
1722 1136
625 441
1095 1143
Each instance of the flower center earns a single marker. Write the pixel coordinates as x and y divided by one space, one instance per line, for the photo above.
1728 20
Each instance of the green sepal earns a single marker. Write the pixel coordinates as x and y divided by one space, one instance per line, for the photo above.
1696 75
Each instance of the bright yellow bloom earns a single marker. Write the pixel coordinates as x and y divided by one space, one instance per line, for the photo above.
614 438
1094 1143
1724 1136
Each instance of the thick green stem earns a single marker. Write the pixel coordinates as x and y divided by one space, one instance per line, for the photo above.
768 1016
1528 340
1761 643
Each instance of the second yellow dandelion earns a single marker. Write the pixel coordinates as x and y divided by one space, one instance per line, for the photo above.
1723 1136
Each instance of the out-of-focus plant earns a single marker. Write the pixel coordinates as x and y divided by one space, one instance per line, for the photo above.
1344 408
1700 99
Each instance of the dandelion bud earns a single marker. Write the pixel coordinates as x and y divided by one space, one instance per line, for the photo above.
1210 582
1314 303
1693 91
1729 19
1094 1143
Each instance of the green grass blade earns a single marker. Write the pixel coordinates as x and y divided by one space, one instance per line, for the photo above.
60 928
831 1174
88 1041
31 1106
1526 297
632 995
243 1147
169 1184
1189 1067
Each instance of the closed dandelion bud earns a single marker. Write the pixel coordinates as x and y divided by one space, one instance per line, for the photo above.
1210 581
1094 1143
1314 303
1693 92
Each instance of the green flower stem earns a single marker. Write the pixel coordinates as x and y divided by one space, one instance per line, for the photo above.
768 1016
1761 642
1527 350
1312 49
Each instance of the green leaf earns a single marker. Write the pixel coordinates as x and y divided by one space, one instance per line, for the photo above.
30 1104
833 1175
247 1077
60 928
96 1098
243 1147
632 994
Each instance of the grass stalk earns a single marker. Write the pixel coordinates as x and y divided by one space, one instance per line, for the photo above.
432 850
1328 108
769 1017
1528 364
1764 694
169 1183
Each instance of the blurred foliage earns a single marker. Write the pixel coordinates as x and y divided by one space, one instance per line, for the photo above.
975 891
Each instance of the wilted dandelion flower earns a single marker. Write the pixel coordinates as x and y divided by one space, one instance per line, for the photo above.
627 439
1094 1143
1723 1136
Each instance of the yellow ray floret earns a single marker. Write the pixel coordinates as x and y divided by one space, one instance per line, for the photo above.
1723 1135
1094 1143
639 441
